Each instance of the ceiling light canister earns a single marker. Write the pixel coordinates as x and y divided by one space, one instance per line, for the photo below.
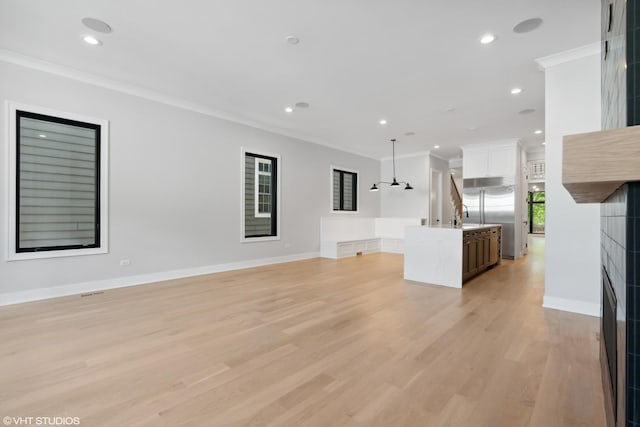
487 38
91 41
527 25
292 39
96 25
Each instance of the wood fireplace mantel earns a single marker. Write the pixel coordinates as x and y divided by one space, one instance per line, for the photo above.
595 164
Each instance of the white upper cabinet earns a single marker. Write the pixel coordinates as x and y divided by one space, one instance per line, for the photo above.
486 161
502 161
475 163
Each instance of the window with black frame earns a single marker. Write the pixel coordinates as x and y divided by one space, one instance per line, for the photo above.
345 190
260 196
57 183
536 202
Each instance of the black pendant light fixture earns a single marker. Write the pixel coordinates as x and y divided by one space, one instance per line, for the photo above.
394 182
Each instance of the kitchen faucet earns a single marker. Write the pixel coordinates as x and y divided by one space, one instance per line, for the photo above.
466 210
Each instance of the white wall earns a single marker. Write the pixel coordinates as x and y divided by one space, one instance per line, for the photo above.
572 103
397 202
174 190
416 169
535 154
442 165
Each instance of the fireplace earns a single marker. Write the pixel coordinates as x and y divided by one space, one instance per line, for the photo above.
620 322
609 346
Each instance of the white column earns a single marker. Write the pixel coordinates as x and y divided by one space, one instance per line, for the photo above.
572 105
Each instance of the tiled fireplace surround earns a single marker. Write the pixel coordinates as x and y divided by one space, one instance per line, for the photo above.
620 252
620 213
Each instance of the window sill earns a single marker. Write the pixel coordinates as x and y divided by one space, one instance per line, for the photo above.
23 256
345 212
259 239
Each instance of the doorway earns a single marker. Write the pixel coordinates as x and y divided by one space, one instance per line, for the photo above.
435 197
536 204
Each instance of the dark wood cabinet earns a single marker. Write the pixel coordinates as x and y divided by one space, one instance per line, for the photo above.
480 250
483 254
473 256
494 247
465 257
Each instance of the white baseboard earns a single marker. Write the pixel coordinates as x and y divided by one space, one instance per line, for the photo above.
10 298
392 251
573 306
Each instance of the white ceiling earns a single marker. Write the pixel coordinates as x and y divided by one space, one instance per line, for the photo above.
358 61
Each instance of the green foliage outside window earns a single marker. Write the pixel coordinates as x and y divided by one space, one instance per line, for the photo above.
538 211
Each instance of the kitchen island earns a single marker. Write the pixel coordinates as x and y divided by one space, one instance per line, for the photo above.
448 256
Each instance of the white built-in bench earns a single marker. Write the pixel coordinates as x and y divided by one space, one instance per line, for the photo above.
348 236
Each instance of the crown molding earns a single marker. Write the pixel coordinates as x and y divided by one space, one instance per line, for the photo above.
22 60
569 55
438 156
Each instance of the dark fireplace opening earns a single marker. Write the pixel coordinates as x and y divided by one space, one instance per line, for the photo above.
610 337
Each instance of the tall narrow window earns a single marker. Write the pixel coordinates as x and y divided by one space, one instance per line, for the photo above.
263 187
345 190
260 198
57 197
536 212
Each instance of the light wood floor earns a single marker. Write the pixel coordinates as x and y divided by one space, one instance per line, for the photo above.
311 343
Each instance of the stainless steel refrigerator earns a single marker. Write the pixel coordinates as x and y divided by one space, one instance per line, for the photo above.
492 201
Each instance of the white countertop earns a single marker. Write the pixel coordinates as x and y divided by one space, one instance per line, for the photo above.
464 227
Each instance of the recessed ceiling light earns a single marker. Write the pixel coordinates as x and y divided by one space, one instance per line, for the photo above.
383 122
436 146
487 38
42 135
288 109
527 25
516 91
538 132
450 109
409 133
96 25
302 104
544 143
292 40
91 40
527 111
